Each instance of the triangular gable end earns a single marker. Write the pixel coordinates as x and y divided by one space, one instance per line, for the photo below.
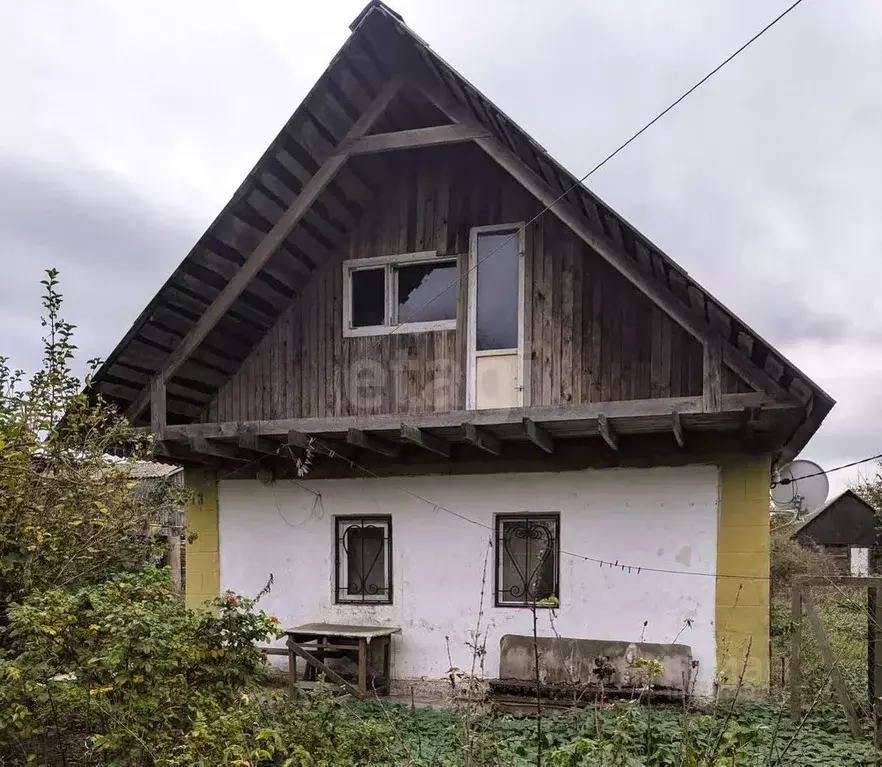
406 69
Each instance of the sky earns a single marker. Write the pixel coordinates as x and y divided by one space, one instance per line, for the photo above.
127 126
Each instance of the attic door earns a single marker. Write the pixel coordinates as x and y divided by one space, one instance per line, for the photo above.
495 350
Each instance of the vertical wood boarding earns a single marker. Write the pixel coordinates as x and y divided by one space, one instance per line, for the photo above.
590 336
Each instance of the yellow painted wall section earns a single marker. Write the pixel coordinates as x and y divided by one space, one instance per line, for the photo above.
203 561
742 604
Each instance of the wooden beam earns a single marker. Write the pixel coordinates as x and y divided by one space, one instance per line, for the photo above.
751 421
157 408
215 449
677 426
425 440
712 375
796 652
481 438
256 443
268 245
538 436
360 439
607 432
179 451
660 295
303 441
437 135
650 409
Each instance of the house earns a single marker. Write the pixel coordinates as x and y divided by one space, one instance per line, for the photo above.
153 480
424 378
846 528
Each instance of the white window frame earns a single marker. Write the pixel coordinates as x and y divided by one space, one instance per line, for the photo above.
471 353
390 309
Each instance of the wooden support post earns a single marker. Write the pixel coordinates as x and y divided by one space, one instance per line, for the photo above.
538 436
607 432
366 441
362 666
712 392
425 440
173 541
679 434
481 438
832 665
874 658
157 407
796 652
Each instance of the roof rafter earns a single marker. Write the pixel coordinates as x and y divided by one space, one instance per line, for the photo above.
693 323
268 245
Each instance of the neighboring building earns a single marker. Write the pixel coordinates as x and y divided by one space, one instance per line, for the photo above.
479 380
153 479
846 528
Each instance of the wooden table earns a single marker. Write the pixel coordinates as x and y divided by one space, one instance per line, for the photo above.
314 642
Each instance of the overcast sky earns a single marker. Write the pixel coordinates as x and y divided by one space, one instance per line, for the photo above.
126 126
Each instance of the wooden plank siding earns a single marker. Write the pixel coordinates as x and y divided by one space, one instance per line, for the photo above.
592 336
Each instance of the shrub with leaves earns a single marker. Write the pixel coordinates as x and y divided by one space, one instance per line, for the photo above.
68 512
127 662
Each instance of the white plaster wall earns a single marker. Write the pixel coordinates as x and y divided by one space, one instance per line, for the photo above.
664 517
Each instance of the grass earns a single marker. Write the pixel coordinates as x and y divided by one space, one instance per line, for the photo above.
627 735
844 620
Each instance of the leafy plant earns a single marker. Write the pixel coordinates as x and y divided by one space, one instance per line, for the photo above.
69 515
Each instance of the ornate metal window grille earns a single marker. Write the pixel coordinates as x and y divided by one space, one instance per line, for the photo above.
527 559
363 560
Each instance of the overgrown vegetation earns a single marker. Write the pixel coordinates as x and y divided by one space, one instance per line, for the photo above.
843 615
628 735
102 663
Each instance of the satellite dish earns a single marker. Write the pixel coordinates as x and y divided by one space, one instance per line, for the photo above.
801 486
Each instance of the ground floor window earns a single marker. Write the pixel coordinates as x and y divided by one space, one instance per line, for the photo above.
527 559
363 556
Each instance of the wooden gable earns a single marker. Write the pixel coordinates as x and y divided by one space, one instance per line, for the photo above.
847 520
593 336
394 152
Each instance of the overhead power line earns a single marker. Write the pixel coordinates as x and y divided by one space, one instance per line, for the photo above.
788 480
591 172
621 565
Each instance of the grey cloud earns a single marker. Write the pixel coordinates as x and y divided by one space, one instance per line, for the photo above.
763 184
112 247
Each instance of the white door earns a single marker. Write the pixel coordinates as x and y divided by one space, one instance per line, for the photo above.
495 350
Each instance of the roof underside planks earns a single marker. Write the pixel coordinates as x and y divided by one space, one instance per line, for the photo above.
379 47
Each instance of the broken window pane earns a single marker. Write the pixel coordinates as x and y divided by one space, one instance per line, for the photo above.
426 292
368 297
497 294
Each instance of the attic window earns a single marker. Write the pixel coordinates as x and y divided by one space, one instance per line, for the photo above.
413 290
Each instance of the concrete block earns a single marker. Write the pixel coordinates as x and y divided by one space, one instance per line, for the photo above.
565 660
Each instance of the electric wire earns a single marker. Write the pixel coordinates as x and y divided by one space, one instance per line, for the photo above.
460 277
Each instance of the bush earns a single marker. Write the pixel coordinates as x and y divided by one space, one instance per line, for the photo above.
123 673
790 559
